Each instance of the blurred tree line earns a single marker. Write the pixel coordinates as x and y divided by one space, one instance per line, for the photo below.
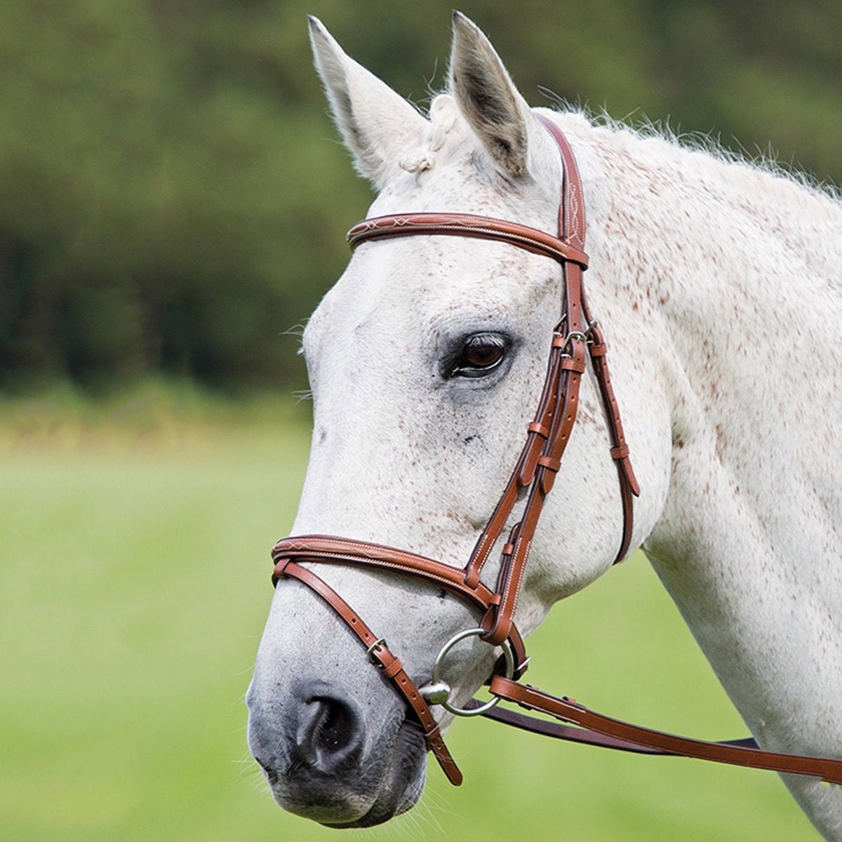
173 197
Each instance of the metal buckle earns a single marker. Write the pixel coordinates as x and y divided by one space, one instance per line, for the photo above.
574 334
378 644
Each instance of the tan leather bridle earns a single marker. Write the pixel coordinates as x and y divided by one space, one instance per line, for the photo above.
576 338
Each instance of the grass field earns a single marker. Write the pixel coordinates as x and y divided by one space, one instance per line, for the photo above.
135 584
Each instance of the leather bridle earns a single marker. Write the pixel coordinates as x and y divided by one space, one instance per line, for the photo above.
577 337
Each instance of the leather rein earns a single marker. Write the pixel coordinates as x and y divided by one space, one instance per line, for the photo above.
577 337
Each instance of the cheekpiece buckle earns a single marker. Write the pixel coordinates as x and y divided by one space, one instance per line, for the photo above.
573 335
378 644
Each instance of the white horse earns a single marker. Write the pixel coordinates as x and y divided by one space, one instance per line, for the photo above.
719 287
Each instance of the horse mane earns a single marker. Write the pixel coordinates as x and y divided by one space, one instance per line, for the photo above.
448 129
764 163
792 209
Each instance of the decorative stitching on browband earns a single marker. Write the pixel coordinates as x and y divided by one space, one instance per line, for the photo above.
467 225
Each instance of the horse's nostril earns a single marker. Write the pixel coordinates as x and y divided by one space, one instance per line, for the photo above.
334 731
329 734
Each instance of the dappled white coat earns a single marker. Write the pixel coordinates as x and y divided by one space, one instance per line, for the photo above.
719 287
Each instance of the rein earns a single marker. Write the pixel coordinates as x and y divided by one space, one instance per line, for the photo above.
576 338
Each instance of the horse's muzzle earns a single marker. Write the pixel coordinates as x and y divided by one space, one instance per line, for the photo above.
324 761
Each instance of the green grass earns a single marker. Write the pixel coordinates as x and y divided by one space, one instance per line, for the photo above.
135 584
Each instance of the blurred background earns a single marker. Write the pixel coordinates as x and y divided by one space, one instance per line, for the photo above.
173 200
172 197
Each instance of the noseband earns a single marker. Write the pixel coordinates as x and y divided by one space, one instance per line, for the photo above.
576 338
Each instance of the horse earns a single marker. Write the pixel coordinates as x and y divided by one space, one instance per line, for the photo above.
717 283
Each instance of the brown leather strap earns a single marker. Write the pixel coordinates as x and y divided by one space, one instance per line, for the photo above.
620 450
572 734
571 211
334 550
634 738
380 655
569 346
574 226
466 225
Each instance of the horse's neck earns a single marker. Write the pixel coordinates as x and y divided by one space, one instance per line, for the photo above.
731 276
749 299
741 302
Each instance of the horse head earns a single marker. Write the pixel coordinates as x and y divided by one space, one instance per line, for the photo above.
426 362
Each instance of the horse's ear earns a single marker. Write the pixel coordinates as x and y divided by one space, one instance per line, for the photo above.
489 100
376 123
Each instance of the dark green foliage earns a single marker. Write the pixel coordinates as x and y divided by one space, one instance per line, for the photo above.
172 196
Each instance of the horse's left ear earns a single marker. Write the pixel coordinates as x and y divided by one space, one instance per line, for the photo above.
491 103
377 124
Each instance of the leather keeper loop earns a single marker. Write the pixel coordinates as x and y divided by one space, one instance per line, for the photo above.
549 463
573 364
619 452
539 429
433 734
394 667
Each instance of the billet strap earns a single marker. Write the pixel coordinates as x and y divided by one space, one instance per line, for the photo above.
598 729
629 487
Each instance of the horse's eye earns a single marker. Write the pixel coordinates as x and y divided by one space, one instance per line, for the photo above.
480 354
